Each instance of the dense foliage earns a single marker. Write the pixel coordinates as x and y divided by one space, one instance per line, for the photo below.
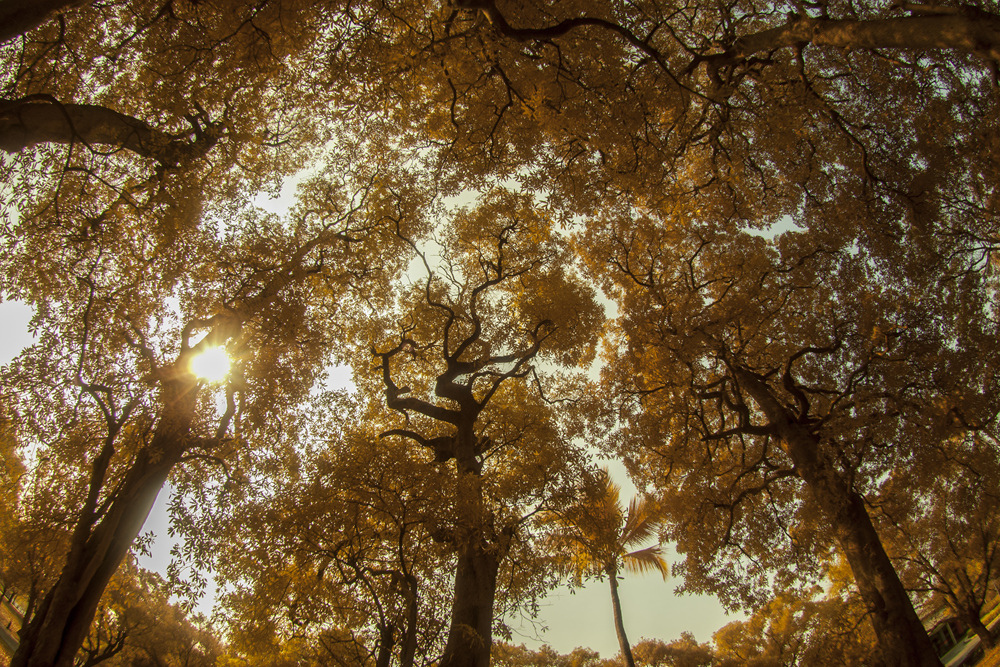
748 248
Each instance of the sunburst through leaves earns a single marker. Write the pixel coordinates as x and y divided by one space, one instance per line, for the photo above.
211 365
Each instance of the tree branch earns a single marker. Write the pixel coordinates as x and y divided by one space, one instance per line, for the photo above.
39 119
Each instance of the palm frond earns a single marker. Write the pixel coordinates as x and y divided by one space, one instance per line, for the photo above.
647 560
607 497
641 523
595 533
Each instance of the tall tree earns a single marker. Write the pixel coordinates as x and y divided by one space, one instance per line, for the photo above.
683 652
111 392
783 380
138 625
799 629
470 335
337 551
600 538
507 655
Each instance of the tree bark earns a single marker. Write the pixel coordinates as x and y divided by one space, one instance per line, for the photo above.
40 119
55 633
901 635
18 17
616 604
963 28
470 637
385 646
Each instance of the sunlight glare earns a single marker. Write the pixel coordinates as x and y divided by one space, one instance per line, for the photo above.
211 365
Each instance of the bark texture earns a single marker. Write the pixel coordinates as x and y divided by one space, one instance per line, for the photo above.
962 29
470 637
901 635
984 634
957 28
408 650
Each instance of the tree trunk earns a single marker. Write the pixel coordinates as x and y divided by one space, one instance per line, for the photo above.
18 17
470 637
901 635
55 633
40 119
984 634
619 624
385 646
408 649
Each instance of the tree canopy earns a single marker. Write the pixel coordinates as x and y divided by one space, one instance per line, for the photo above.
747 248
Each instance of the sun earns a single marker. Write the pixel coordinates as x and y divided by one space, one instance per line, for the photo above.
211 365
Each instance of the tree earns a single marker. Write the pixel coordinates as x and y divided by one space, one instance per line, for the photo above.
507 655
811 629
337 552
756 367
599 540
11 474
502 300
137 625
354 566
123 408
135 622
683 652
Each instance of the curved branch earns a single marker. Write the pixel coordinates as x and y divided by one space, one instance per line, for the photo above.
443 446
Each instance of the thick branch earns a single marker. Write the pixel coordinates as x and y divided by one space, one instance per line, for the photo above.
964 28
18 17
971 30
901 635
442 446
41 119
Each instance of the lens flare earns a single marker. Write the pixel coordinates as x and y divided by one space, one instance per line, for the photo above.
211 365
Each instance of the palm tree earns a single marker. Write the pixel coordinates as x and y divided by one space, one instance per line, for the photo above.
596 537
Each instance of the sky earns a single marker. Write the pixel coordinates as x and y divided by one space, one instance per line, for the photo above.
567 618
15 318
